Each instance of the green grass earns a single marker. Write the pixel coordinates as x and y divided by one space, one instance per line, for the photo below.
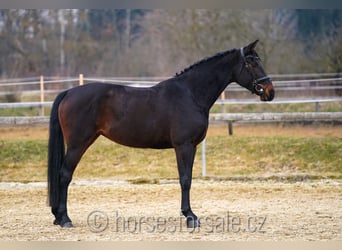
23 160
21 112
274 155
227 157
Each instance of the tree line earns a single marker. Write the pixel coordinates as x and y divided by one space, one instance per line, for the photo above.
137 42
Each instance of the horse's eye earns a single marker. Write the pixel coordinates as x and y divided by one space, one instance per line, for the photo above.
253 61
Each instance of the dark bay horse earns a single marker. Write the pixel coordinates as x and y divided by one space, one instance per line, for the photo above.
171 114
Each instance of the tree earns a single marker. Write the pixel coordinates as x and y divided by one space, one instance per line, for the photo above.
320 32
123 42
175 39
17 31
312 23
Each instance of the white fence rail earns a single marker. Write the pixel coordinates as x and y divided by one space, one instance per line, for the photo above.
219 101
296 116
325 82
222 117
43 86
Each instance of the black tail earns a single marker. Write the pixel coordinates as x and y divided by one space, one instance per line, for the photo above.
56 152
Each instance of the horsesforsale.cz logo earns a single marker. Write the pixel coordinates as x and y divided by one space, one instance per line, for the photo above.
99 221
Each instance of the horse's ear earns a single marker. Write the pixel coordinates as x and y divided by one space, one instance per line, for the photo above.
250 47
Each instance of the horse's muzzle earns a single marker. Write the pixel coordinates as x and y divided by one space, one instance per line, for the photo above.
268 92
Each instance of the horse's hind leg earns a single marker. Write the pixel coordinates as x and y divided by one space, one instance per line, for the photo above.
72 158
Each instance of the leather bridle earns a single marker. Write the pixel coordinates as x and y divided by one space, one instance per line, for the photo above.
257 87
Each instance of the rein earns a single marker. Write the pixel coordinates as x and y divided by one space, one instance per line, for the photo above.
257 87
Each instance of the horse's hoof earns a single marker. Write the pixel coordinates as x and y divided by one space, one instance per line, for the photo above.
67 224
191 223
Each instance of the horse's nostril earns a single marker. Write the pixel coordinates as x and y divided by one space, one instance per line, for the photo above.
271 95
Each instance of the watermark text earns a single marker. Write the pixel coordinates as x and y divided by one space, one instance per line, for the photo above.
230 222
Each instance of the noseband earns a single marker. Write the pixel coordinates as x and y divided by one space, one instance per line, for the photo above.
257 87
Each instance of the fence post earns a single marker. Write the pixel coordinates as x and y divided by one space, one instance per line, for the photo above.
223 97
41 95
230 127
81 79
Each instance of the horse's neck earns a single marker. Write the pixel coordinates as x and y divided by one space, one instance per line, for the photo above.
207 82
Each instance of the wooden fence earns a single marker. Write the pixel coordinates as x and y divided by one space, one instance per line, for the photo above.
334 80
49 85
221 117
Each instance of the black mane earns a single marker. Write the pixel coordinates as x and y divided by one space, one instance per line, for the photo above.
204 60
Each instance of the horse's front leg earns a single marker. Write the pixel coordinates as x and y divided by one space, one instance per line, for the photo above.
185 158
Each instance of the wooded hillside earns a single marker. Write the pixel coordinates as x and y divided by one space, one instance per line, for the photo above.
163 42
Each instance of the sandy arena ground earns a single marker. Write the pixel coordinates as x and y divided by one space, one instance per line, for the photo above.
229 210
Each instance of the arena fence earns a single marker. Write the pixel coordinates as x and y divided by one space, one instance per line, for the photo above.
329 87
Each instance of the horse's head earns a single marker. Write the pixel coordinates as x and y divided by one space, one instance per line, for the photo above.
251 74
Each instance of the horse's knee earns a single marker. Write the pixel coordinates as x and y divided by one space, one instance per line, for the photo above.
185 182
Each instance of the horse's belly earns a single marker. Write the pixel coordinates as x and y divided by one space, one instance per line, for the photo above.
139 135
